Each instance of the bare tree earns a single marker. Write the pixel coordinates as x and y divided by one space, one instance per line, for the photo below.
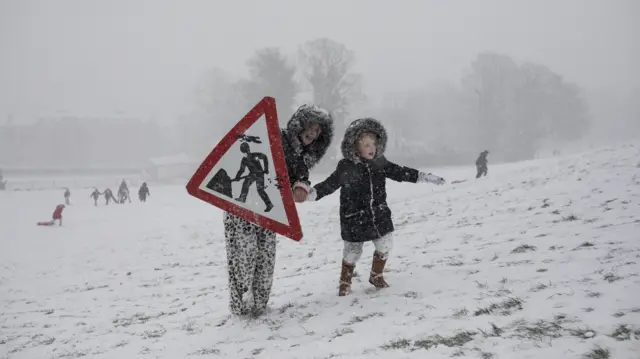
270 74
219 106
327 66
520 105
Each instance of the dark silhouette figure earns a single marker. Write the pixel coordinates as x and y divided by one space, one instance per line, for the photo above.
67 195
3 183
57 214
481 164
143 192
123 192
108 196
95 195
251 161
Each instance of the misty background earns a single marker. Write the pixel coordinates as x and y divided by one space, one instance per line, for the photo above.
114 84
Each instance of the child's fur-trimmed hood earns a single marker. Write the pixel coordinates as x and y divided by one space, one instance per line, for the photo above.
355 130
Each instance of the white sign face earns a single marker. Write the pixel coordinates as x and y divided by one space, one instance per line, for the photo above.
246 176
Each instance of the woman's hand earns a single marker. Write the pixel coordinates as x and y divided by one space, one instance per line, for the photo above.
299 194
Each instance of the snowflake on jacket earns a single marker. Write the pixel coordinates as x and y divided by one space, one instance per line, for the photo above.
364 212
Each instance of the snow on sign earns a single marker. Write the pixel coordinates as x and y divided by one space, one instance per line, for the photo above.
246 174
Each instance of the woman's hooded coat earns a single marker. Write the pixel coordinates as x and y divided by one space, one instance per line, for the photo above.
299 158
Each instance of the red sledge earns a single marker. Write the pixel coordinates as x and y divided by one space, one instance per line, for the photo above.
48 223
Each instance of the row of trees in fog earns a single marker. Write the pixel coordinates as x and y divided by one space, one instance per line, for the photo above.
325 70
508 108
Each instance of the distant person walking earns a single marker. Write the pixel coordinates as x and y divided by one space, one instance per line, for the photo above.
108 196
481 164
143 192
95 195
67 195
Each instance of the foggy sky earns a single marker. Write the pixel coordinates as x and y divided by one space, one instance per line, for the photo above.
143 58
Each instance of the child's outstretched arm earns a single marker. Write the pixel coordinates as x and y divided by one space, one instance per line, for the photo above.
329 185
407 174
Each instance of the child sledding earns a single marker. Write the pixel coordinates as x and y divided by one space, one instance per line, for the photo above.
57 216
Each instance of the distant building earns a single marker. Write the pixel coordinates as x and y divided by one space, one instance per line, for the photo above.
171 168
81 142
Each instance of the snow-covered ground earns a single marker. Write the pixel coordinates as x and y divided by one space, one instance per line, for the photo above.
538 260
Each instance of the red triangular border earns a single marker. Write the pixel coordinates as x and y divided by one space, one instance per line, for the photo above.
266 106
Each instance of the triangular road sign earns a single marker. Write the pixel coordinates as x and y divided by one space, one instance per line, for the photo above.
246 174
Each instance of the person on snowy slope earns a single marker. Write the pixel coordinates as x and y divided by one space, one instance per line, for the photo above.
143 192
108 196
95 195
364 213
251 250
57 214
481 164
67 195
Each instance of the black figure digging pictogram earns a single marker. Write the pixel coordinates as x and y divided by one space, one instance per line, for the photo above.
258 165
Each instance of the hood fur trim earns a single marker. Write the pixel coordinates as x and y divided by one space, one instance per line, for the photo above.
357 128
303 117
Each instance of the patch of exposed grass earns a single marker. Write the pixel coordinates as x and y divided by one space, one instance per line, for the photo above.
623 332
457 340
257 351
524 248
539 287
503 308
611 277
206 351
410 294
359 319
495 331
138 318
286 307
598 353
538 330
459 313
583 333
342 332
397 344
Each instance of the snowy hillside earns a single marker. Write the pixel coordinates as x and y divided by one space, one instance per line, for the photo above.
537 260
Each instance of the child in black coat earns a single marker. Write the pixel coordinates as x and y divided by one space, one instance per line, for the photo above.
364 212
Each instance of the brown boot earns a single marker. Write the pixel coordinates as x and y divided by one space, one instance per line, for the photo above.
345 278
377 267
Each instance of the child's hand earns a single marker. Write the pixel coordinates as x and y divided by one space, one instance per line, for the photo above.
428 177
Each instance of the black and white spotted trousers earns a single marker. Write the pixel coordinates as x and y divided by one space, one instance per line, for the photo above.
251 258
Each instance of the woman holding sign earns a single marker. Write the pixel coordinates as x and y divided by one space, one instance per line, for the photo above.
251 250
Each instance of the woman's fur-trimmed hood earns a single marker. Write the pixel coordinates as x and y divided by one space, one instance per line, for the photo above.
303 117
357 128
